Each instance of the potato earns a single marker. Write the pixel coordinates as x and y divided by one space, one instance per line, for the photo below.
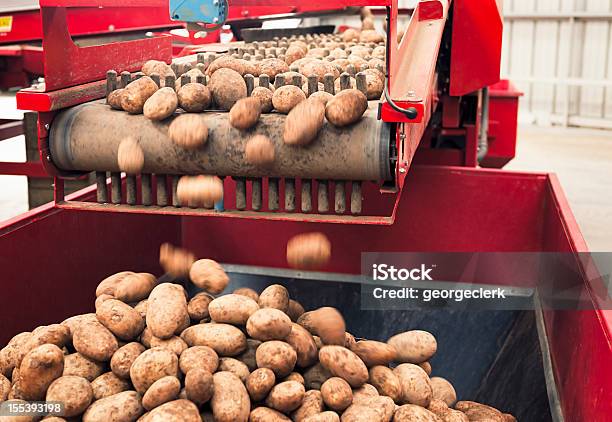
245 113
52 419
327 323
443 390
134 287
374 85
315 376
248 356
108 384
374 353
152 365
136 93
121 319
301 127
312 404
78 365
194 97
124 357
38 369
156 66
337 394
161 104
307 251
338 53
264 95
367 24
75 392
286 396
188 131
232 309
174 344
227 62
279 356
290 75
176 410
411 412
346 107
350 34
142 307
259 383
197 307
370 35
248 292
386 382
438 407
302 341
199 385
108 285
274 296
479 412
259 151
343 363
230 401
94 341
265 414
327 416
273 67
5 388
294 376
426 366
130 156
227 87
121 407
199 357
416 388
56 334
294 310
414 346
317 52
340 65
301 44
200 191
357 60
371 409
236 367
224 339
11 355
364 392
100 300
293 53
318 68
167 310
286 97
268 324
375 64
208 275
114 99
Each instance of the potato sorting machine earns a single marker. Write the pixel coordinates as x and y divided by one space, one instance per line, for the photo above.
409 176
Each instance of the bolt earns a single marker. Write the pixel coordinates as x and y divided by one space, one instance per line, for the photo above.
47 126
48 157
215 20
402 170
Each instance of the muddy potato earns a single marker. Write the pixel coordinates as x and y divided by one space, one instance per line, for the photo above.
174 344
294 310
109 284
370 35
350 34
438 407
374 353
302 341
416 387
367 24
141 307
376 64
121 407
100 300
312 404
56 334
346 107
227 87
121 319
199 191
364 392
294 376
245 113
376 408
188 131
259 383
199 386
426 366
161 104
286 396
411 412
208 275
345 364
327 416
274 296
479 412
94 341
327 323
301 127
114 99
197 307
232 309
224 339
194 97
124 357
38 369
317 52
293 53
136 93
507 418
167 310
337 394
152 365
443 390
259 151
236 367
318 68
108 384
176 410
286 97
248 292
273 67
134 287
315 376
414 346
290 75
307 251
11 354
230 401
130 157
279 356
386 382
338 53
264 95
321 96
268 324
265 414
156 66
199 357
239 66
248 356
5 388
78 365
374 86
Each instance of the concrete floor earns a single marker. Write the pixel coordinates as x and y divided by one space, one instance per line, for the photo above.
581 158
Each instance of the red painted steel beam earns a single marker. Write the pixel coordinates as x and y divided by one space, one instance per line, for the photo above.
30 169
10 129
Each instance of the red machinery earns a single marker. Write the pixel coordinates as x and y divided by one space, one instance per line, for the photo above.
438 77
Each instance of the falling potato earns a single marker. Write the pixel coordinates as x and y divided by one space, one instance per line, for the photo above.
308 251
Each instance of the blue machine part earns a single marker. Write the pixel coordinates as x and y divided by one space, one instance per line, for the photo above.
199 11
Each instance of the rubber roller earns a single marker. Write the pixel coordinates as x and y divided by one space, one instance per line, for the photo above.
86 138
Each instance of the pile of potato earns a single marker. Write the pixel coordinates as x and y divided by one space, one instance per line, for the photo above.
151 353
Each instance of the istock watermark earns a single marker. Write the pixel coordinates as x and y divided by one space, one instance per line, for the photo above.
383 272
